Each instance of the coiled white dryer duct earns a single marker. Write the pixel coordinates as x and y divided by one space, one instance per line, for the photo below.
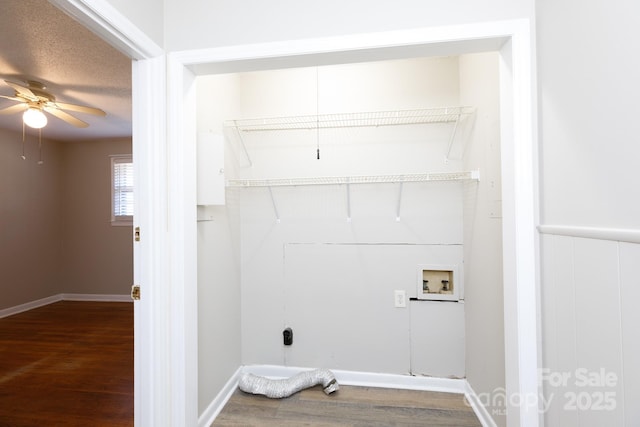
278 389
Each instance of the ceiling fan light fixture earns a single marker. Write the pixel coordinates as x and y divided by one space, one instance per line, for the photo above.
34 118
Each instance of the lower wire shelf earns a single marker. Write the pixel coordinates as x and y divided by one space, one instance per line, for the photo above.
368 179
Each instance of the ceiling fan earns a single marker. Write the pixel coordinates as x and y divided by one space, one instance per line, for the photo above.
34 100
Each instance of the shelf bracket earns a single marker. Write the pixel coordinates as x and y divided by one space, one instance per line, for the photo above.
399 202
242 144
275 208
452 137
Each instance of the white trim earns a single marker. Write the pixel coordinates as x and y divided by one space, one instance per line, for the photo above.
6 312
96 297
519 161
183 247
613 234
217 404
152 383
107 22
152 399
481 412
29 305
520 244
358 43
367 379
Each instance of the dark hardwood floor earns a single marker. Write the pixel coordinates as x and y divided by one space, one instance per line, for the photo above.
349 406
67 364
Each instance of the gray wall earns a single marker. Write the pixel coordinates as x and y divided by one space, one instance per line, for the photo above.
31 217
97 257
56 231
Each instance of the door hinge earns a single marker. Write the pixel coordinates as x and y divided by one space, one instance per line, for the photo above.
135 292
136 234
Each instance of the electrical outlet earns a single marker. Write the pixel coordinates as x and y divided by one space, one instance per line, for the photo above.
400 298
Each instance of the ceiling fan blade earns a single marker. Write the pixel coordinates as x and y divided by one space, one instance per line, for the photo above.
26 92
80 108
66 117
14 109
12 98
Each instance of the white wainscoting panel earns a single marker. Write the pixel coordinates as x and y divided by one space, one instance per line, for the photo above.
589 291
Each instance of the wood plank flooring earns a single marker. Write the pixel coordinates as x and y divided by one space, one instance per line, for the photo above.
67 364
349 406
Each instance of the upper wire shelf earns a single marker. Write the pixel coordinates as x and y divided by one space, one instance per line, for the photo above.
357 119
371 179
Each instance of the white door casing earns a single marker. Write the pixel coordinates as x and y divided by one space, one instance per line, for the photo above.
152 364
164 164
519 168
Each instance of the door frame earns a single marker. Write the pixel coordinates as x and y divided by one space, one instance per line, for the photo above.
164 162
512 39
152 363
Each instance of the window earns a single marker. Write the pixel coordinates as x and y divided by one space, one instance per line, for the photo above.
121 190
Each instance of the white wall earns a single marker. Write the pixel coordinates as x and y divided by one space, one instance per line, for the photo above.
587 83
330 279
218 258
146 15
315 261
218 303
213 24
485 359
381 86
587 113
589 324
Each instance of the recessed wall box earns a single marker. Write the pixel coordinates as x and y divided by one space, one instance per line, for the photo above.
438 282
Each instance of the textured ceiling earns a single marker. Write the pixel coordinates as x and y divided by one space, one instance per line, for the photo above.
40 42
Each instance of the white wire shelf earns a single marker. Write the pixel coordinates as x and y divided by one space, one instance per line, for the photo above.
357 119
371 179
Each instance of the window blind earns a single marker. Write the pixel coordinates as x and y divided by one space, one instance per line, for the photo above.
122 187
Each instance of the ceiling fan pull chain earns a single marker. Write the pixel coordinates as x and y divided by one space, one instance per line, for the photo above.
40 146
317 114
23 136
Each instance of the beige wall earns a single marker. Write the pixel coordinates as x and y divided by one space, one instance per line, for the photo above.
30 220
55 232
97 257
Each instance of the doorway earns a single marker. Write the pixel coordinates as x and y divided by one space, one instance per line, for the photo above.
511 40
166 356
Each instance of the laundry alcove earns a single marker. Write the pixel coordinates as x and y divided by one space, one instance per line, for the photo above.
330 207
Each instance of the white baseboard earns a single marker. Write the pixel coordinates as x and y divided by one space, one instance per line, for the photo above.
354 378
96 297
29 305
216 405
368 379
481 412
62 297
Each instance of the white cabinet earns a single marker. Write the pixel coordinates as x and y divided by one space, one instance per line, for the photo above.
210 169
